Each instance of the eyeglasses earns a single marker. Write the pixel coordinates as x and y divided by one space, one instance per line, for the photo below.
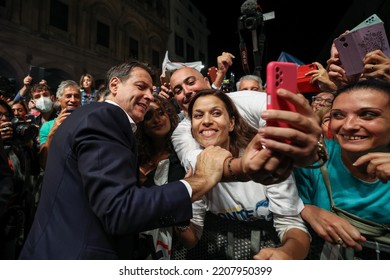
328 101
7 115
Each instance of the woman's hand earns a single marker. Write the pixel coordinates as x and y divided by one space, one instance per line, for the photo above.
332 228
378 165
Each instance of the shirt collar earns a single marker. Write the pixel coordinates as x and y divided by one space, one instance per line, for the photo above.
132 123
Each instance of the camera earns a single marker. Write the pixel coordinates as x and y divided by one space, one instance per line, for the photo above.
251 22
24 131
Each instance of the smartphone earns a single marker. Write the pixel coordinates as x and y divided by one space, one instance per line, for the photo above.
368 36
168 76
280 75
303 81
37 74
373 19
212 73
166 79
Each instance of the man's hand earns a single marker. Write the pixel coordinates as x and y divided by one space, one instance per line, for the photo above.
208 171
224 61
165 89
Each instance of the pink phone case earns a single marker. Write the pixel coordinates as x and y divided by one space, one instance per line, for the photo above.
280 75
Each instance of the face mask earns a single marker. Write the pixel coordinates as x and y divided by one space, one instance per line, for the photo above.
44 104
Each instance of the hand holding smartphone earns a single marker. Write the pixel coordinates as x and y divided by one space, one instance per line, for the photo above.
280 75
212 73
166 78
37 74
352 46
303 81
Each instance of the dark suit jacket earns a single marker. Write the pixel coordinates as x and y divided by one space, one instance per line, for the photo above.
91 206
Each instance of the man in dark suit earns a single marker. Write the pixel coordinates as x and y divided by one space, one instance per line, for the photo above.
91 206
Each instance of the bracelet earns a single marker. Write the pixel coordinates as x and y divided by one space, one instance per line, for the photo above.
322 154
230 169
183 228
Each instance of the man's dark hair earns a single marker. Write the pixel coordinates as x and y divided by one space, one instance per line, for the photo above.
123 70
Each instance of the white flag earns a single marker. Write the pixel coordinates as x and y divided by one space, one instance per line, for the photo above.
168 65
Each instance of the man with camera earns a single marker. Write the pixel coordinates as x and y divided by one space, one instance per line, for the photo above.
6 194
19 139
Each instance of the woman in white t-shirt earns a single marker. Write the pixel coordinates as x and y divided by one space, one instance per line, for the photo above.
216 122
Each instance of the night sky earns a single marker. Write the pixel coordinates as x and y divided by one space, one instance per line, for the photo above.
298 29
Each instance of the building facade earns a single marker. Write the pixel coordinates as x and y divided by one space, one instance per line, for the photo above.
67 38
188 40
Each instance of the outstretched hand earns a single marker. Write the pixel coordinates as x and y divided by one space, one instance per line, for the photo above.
321 77
208 171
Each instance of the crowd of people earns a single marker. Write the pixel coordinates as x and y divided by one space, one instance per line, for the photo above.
125 172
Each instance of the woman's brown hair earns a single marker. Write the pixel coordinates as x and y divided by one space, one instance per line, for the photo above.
242 133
